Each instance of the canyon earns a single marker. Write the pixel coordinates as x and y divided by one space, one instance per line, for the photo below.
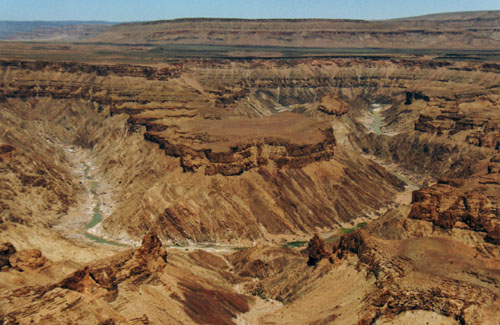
253 184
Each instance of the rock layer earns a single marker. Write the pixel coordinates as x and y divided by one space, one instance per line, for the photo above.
469 203
402 282
438 31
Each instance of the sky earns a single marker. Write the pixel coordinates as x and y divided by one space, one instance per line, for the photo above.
144 10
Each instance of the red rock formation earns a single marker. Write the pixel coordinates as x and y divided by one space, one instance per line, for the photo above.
397 264
84 280
317 250
493 235
362 245
242 157
470 203
333 105
134 265
151 248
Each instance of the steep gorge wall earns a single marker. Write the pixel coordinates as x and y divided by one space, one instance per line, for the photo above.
37 185
183 191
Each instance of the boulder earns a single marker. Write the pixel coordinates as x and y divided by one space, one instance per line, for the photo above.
28 259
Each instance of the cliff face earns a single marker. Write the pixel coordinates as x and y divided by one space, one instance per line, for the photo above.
230 151
469 203
396 266
268 124
37 184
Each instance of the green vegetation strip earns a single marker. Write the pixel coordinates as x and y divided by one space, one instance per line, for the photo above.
376 122
93 187
96 218
295 244
102 240
239 248
345 231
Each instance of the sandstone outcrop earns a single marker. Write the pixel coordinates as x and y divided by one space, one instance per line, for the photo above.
468 203
133 265
332 105
317 250
396 266
218 155
28 259
131 287
364 247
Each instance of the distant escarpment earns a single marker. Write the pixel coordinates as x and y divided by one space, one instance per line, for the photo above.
470 30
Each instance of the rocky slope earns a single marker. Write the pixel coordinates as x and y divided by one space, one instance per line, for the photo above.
134 287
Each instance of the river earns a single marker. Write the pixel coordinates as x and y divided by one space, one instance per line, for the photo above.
377 120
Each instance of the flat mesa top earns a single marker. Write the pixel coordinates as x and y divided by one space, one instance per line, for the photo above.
221 135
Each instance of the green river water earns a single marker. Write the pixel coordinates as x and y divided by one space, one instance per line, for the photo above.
376 121
97 213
